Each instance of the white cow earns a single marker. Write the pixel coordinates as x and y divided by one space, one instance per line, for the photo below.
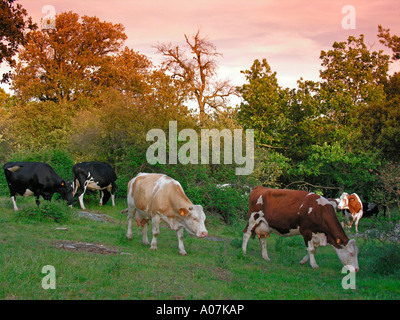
353 207
159 198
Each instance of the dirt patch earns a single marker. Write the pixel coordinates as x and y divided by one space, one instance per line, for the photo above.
95 216
88 247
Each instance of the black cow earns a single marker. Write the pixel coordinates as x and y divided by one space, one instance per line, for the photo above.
372 209
36 179
94 175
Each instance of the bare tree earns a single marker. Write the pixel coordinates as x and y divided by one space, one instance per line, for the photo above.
196 66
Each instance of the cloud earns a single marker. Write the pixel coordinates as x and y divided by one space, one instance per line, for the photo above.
290 34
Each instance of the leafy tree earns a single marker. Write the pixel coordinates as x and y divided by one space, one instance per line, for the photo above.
34 125
332 169
392 42
352 76
196 67
379 120
285 120
78 58
379 123
13 24
265 105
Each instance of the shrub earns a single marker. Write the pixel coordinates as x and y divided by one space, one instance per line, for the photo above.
47 212
381 249
388 260
333 168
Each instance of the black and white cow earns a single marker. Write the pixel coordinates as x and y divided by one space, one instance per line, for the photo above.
36 179
94 175
372 209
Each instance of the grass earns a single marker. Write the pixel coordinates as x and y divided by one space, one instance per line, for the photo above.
211 270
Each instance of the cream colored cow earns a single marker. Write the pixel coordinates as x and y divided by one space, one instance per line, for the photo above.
159 198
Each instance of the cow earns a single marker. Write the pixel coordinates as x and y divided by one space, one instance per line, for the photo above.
296 212
371 209
94 175
159 198
36 179
353 208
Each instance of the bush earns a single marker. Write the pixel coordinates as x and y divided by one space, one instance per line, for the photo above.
382 259
47 212
382 246
334 169
388 260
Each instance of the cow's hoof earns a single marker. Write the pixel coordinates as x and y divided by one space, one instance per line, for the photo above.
153 248
183 253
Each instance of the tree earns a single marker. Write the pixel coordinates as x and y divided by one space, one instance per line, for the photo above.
352 76
78 58
197 69
265 105
34 125
333 169
392 42
13 24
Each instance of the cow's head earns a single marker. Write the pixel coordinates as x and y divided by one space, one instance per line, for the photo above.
193 220
343 201
66 191
348 254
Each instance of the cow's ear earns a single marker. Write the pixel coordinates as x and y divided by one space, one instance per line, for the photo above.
183 212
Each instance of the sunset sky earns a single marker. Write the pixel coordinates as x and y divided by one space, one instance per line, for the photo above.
290 34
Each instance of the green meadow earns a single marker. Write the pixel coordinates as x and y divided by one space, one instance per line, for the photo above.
214 269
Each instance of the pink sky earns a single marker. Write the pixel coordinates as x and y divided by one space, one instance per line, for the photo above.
290 34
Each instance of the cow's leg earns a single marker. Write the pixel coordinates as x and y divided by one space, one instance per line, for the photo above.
179 234
81 201
155 222
310 256
251 223
113 199
305 259
14 202
145 240
358 217
246 237
113 188
37 200
80 191
308 240
131 214
311 252
75 186
263 244
105 196
144 223
101 197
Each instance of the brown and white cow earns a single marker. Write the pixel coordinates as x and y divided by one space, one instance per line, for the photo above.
159 198
353 208
296 212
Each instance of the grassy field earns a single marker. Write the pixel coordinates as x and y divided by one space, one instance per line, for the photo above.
214 268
